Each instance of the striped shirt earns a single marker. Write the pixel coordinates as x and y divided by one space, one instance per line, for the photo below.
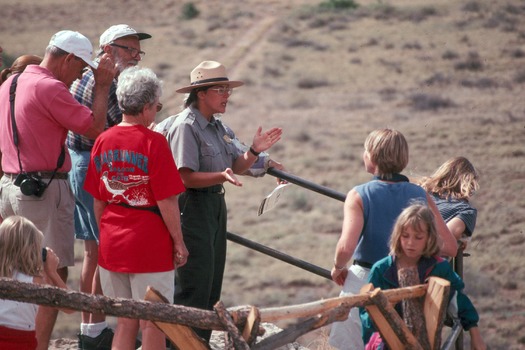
456 208
83 92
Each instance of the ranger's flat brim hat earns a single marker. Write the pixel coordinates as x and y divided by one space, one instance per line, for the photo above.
209 73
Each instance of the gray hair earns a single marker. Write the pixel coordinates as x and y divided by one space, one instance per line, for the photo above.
55 51
136 88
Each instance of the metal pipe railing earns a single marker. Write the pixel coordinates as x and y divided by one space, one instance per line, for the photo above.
307 184
279 255
458 268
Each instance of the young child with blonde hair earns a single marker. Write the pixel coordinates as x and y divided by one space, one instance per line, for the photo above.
415 243
451 187
23 258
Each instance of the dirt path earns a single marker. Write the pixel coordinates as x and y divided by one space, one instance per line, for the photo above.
246 47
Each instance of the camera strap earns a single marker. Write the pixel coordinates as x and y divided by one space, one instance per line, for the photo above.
12 95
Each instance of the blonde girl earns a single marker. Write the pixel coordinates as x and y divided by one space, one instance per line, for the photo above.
22 259
415 243
451 187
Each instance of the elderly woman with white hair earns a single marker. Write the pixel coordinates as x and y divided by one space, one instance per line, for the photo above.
135 183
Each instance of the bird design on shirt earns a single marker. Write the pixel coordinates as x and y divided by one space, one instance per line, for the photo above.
117 188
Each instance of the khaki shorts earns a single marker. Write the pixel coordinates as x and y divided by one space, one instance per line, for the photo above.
52 214
134 285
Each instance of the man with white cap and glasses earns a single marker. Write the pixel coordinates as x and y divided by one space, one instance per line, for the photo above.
122 44
36 112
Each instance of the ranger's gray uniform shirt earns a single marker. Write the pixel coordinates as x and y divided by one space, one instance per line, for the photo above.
204 146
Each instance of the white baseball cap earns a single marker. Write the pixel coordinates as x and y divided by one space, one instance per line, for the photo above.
119 31
75 43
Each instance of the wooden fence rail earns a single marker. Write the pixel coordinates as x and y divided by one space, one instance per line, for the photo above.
311 315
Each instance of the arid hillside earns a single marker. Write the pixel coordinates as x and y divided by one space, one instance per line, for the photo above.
448 74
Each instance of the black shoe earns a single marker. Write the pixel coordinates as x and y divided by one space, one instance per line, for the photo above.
101 342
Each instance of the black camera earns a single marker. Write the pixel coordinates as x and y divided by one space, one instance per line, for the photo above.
30 184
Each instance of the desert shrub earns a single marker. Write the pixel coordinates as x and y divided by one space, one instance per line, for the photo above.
302 137
503 20
426 102
301 283
517 53
372 42
472 63
438 79
287 58
421 14
309 83
412 46
207 44
395 66
333 26
300 202
521 340
304 43
189 11
517 153
388 94
471 6
272 71
338 5
318 22
163 66
520 77
385 12
482 83
449 55
476 284
513 9
510 285
465 40
518 238
188 34
332 21
214 25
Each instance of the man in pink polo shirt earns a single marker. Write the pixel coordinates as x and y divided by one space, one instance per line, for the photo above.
34 161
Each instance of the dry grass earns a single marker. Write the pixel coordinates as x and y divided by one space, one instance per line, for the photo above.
448 74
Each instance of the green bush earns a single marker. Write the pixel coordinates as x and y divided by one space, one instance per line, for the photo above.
8 60
339 4
189 11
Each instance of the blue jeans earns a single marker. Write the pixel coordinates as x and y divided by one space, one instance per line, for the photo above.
85 223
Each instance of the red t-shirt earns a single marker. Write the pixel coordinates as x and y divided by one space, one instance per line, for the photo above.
134 166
